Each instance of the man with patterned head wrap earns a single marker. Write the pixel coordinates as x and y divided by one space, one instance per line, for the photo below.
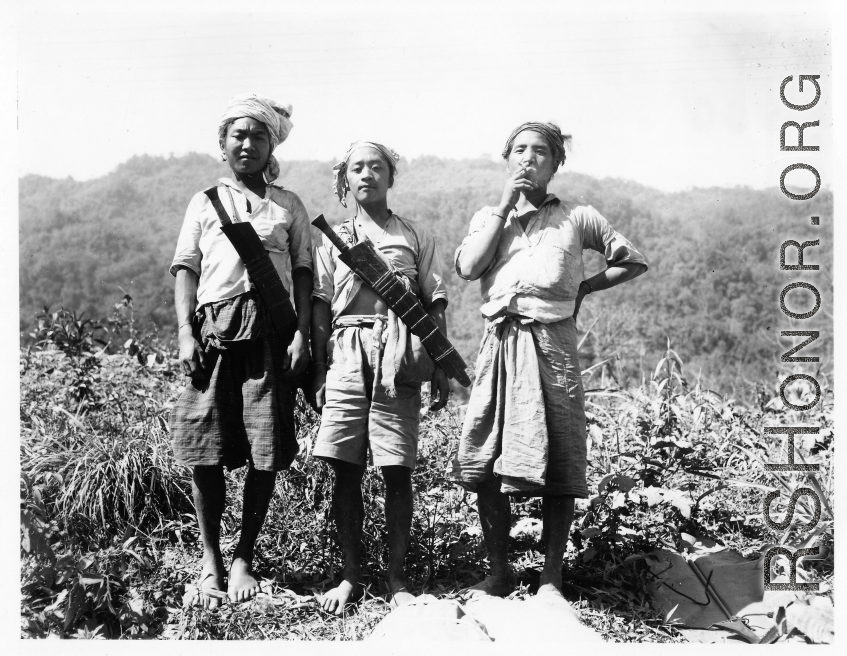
524 429
238 406
339 172
368 368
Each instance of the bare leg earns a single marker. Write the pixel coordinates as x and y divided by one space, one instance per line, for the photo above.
495 514
349 514
209 490
398 525
557 513
258 489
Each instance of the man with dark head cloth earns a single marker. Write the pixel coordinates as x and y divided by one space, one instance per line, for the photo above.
524 430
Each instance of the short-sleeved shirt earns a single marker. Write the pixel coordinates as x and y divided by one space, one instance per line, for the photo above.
409 247
536 273
280 220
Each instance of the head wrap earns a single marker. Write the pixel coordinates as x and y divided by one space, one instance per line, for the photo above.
550 131
339 171
275 116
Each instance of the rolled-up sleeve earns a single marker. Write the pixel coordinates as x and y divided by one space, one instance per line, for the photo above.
477 224
299 234
323 268
430 279
188 253
598 235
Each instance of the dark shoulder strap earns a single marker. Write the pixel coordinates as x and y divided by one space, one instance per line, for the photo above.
214 197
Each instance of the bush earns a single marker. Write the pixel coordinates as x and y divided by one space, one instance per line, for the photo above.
109 539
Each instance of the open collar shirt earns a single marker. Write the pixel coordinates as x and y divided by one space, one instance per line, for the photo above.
280 220
407 244
536 273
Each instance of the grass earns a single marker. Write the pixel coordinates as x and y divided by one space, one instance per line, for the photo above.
109 539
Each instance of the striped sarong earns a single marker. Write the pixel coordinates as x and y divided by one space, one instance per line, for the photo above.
245 411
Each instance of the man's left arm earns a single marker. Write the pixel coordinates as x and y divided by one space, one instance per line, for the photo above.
432 288
439 383
298 350
623 261
300 252
615 274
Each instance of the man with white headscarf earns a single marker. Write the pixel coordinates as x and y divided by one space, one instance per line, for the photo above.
368 369
238 406
274 115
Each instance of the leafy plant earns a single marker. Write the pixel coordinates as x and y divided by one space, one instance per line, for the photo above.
68 332
109 539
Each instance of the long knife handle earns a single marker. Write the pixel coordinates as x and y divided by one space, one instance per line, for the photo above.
321 224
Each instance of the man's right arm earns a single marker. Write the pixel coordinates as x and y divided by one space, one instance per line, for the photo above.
321 329
191 356
480 246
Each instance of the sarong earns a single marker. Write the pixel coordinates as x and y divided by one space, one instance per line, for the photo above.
245 411
525 421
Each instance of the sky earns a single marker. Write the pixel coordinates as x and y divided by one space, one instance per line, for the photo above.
672 99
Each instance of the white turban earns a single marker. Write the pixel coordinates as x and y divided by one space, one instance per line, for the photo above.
275 116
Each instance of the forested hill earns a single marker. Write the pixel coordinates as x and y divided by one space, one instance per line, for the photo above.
713 285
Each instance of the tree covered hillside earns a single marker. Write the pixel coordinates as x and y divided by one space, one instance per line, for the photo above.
713 286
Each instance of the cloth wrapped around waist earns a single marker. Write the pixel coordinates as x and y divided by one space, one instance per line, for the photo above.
231 326
222 324
397 355
505 427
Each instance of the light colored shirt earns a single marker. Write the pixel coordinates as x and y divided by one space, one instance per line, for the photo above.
279 219
536 273
406 244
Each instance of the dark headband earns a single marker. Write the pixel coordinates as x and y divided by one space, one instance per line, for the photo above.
551 133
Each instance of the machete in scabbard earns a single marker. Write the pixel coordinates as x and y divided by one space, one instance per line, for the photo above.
365 261
260 268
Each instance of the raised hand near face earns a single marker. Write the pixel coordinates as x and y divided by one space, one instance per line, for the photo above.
515 184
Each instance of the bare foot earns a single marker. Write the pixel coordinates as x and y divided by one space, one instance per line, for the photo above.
208 592
399 593
495 586
336 599
242 584
549 589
